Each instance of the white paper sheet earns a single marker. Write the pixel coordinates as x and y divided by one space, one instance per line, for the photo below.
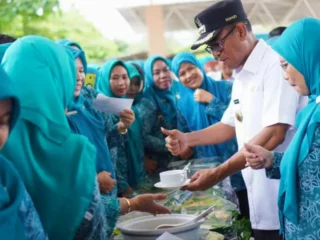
112 105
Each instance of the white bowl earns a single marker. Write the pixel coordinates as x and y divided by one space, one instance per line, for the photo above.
143 228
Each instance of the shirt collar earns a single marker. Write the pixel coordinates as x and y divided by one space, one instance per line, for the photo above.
254 60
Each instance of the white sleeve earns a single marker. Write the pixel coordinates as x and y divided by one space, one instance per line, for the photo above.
228 116
280 100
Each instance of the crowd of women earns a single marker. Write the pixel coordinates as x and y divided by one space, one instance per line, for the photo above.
67 169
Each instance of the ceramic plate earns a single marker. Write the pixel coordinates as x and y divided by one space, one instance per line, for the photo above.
161 185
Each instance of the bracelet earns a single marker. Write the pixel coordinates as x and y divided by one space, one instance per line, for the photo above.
129 204
123 133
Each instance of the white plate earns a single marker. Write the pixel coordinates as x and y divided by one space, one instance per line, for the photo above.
161 185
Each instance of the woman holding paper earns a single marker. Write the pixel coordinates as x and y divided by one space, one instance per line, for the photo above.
89 122
57 167
158 108
114 81
85 120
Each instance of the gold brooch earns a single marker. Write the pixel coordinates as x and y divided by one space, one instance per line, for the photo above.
239 116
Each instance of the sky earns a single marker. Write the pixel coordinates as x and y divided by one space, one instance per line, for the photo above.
104 15
106 18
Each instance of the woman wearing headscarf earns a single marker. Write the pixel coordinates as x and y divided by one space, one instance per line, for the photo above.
298 167
116 132
175 87
202 104
135 92
57 166
137 62
137 169
157 109
83 118
136 82
114 81
19 219
87 121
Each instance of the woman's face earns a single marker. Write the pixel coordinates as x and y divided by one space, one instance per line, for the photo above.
5 117
295 78
80 77
161 75
190 76
134 88
119 81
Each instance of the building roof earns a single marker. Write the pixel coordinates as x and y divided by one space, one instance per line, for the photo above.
179 14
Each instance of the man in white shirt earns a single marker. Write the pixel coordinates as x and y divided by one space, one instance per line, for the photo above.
262 109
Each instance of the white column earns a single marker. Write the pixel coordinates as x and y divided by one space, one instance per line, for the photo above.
155 30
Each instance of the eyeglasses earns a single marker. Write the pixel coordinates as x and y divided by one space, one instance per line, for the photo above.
284 65
218 47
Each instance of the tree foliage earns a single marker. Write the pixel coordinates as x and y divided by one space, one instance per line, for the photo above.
44 18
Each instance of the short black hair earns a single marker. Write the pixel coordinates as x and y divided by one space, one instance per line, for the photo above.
6 39
276 32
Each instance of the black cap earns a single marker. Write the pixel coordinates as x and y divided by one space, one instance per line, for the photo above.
210 21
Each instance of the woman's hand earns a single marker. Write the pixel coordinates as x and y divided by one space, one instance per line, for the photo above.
146 203
257 157
106 183
203 96
127 117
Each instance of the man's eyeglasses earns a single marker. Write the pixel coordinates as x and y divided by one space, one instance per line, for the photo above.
218 46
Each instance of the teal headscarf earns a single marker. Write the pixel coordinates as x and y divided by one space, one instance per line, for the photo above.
67 42
57 166
136 163
11 186
134 142
134 73
79 54
140 63
3 49
103 84
299 46
194 112
90 123
158 96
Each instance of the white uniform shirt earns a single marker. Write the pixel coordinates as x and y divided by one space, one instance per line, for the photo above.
263 98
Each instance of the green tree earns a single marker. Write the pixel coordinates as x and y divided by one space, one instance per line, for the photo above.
44 18
19 16
73 26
